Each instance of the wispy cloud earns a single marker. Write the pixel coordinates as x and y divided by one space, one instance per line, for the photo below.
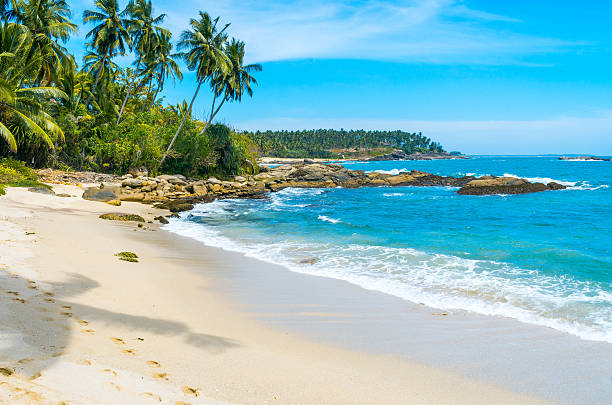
431 31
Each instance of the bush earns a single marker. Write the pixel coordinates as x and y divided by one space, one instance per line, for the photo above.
14 173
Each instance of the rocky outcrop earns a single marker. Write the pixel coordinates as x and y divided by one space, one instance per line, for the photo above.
177 193
595 158
401 155
505 185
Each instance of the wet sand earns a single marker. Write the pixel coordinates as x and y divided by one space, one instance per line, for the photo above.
183 325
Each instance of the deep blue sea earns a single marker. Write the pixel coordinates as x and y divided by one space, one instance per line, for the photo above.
543 258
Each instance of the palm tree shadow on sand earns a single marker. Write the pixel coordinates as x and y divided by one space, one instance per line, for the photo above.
36 322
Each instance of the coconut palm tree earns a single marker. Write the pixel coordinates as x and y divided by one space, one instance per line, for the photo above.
146 35
233 85
110 34
162 66
49 23
203 46
21 109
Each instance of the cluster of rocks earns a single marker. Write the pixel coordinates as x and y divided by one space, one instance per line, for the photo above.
62 177
401 155
505 185
584 158
177 193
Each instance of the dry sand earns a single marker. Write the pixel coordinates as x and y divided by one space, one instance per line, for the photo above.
79 326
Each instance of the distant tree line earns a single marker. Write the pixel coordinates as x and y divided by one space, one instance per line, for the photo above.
329 143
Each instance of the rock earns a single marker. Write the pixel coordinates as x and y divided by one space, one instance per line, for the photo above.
139 171
116 203
122 217
595 158
503 185
41 190
213 180
555 186
264 169
63 195
176 181
240 179
107 193
180 207
134 183
135 197
162 220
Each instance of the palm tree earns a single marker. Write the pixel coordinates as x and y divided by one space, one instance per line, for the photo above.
21 109
146 35
110 35
162 66
48 22
203 45
7 10
233 85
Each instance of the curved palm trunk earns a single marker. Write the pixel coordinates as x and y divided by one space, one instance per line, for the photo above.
181 126
128 92
97 79
155 96
213 114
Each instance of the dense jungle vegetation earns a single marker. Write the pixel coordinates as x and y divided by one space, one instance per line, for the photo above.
330 143
96 115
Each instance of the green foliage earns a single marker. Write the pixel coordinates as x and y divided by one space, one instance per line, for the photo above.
14 173
128 257
330 143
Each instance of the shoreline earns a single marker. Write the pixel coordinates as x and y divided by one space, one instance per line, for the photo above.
209 349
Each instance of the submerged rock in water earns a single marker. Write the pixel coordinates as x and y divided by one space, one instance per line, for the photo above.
505 185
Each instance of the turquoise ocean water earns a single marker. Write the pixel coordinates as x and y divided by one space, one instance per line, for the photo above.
543 258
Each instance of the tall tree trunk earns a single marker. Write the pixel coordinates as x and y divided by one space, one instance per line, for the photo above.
146 102
97 79
128 91
181 126
155 95
213 113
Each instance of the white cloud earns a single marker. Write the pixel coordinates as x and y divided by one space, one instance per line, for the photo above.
589 135
436 31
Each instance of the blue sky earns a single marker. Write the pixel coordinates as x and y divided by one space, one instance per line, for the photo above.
482 77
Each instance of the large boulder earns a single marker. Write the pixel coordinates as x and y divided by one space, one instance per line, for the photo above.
103 193
504 185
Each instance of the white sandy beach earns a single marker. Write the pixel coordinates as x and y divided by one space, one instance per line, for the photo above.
80 326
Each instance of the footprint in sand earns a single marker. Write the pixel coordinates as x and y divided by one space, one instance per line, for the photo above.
108 370
82 322
152 363
15 293
89 331
68 314
117 340
152 396
115 386
5 371
19 300
50 300
191 391
182 403
49 294
129 351
161 376
66 307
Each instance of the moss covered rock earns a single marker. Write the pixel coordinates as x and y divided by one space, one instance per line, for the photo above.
122 217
